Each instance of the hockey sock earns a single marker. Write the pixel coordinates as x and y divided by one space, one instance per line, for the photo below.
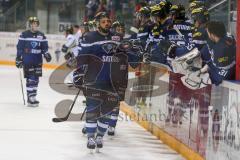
102 125
32 85
114 118
91 128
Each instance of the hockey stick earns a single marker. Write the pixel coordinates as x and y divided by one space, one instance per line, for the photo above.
20 74
83 113
69 112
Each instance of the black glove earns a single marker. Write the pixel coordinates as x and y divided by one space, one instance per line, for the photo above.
19 62
48 57
168 48
78 78
147 58
68 56
71 60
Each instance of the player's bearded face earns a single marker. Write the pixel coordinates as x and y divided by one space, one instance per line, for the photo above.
105 25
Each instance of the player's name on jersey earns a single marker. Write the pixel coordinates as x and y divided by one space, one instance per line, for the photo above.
182 27
110 59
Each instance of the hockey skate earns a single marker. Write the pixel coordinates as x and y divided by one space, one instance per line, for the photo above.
32 102
111 131
99 143
91 144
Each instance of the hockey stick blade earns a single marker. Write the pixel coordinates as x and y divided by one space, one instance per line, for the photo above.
69 112
56 120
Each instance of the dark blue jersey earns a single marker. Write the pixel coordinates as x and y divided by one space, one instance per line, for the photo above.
144 31
182 39
221 59
93 45
31 46
200 37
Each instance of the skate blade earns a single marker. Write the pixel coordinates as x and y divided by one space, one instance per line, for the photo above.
32 105
91 151
98 150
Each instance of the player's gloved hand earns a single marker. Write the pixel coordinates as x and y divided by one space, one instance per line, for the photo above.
68 56
48 57
147 58
71 60
19 62
168 48
78 78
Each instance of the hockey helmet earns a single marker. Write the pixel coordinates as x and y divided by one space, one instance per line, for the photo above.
101 15
200 14
69 30
33 19
166 6
144 12
158 11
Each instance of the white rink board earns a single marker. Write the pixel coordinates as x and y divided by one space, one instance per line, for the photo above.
9 41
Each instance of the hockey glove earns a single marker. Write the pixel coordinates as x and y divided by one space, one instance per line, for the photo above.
68 56
78 78
19 62
147 58
168 48
48 57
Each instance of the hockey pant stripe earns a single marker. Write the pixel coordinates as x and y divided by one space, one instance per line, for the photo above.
32 85
114 117
102 125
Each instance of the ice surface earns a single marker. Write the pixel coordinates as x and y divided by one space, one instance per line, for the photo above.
29 134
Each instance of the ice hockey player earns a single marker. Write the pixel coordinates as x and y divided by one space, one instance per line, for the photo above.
143 16
69 47
219 57
144 30
32 45
220 54
180 33
118 28
201 17
77 32
96 121
97 45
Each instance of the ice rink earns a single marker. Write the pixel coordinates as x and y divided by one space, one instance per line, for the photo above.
29 133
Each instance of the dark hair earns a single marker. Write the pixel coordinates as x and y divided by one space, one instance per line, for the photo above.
76 26
216 28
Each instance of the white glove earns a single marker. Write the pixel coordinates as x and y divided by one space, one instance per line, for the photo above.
196 80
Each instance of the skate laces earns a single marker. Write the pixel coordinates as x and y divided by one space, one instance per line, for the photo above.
99 139
91 141
111 129
32 99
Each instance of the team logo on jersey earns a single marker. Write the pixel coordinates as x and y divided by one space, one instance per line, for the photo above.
109 47
34 44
